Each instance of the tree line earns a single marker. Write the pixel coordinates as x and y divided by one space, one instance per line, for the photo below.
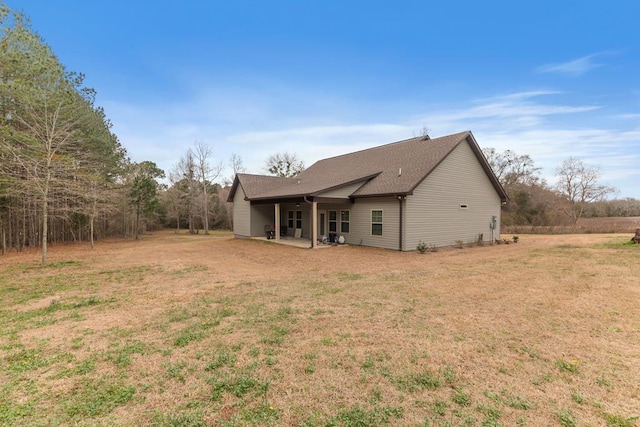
578 193
65 176
59 160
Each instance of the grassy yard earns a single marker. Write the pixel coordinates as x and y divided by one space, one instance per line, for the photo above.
179 330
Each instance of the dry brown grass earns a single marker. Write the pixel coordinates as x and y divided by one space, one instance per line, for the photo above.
207 329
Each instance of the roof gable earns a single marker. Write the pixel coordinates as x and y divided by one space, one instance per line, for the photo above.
255 185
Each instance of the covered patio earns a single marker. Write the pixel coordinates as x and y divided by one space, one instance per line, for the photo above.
293 241
301 221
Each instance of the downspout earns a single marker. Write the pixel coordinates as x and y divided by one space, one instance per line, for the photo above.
400 201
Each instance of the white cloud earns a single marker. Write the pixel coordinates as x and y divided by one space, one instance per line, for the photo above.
635 116
576 67
510 112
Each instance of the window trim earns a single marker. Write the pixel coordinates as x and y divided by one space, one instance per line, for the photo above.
298 219
335 221
290 219
380 223
347 222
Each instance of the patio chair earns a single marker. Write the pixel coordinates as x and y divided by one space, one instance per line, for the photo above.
268 231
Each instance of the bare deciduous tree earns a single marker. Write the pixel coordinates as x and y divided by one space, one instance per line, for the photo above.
237 166
191 186
42 152
207 174
423 133
183 179
284 165
511 168
578 183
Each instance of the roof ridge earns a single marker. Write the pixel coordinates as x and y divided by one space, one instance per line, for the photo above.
265 176
391 143
257 174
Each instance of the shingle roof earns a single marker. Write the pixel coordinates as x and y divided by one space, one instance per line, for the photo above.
256 185
391 169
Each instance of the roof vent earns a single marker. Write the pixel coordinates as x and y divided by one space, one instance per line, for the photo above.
399 171
426 137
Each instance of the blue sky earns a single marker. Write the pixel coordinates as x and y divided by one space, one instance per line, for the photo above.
322 78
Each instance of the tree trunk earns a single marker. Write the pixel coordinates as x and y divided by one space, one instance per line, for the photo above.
3 237
137 221
45 206
23 241
10 229
34 227
205 204
191 224
91 231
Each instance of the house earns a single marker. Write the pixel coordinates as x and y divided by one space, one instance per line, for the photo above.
437 191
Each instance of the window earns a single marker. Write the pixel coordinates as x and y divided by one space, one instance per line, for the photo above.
376 223
290 219
333 221
298 219
344 221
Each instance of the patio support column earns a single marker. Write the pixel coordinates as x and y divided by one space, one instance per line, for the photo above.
277 220
401 203
314 224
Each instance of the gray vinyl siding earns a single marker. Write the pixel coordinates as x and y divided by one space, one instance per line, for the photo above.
339 207
261 215
335 207
360 219
306 222
433 212
241 214
343 192
305 208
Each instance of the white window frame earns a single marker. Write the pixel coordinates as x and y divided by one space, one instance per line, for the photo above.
381 222
335 221
347 222
290 219
298 219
